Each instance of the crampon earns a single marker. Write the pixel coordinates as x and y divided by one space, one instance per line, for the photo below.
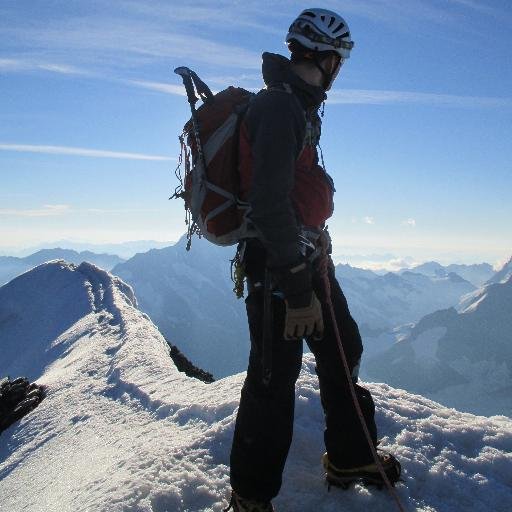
239 504
366 475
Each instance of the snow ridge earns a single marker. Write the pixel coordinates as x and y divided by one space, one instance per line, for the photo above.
104 288
40 305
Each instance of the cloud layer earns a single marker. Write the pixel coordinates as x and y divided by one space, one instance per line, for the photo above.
369 96
383 97
48 210
72 151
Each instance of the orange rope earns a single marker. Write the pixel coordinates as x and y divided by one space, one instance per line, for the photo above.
327 286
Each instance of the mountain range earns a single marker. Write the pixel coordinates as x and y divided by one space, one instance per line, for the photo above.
382 302
11 266
189 297
461 358
477 274
121 429
124 250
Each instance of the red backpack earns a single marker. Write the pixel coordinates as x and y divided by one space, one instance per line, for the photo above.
209 153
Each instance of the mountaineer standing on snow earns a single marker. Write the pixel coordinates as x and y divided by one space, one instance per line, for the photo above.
291 197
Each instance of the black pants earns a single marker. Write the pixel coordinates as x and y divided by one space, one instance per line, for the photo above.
264 424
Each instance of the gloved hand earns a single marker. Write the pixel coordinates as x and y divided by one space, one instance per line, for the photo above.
305 321
303 309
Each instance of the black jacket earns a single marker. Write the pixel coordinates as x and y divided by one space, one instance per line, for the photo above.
276 123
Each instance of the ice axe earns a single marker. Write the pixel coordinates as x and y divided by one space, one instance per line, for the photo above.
192 85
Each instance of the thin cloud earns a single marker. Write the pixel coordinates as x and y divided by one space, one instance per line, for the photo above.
142 32
241 16
11 65
58 210
177 90
384 97
114 211
72 151
22 65
477 6
128 42
241 79
402 12
398 12
392 265
63 69
48 210
368 220
409 222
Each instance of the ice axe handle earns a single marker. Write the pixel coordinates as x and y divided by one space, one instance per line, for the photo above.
186 75
202 89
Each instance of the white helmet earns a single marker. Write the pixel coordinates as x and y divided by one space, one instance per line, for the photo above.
321 30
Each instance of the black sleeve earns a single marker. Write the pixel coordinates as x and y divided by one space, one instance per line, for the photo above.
276 126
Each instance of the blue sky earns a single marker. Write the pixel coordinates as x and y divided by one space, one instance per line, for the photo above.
416 132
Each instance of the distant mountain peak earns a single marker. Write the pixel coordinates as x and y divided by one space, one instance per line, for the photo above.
493 296
428 266
477 274
503 274
10 267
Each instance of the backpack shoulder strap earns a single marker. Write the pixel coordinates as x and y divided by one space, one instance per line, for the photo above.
279 86
286 88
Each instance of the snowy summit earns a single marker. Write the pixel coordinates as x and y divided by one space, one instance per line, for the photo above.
121 429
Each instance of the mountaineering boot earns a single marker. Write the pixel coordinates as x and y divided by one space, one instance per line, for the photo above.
367 475
239 504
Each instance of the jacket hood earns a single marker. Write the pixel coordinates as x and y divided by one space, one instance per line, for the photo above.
276 69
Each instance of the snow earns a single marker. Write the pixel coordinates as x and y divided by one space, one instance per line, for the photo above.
503 275
122 430
471 301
